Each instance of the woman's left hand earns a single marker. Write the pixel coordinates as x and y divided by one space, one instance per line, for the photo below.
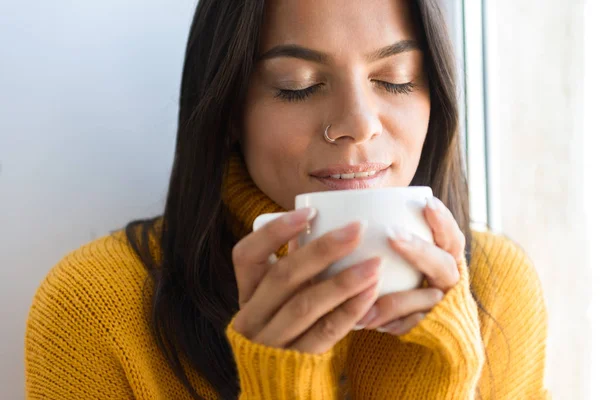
397 313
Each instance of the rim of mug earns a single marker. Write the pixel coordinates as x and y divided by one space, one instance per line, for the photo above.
426 190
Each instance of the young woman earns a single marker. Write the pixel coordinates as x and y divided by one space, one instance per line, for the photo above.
280 98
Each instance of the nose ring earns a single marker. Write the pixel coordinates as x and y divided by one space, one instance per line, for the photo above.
326 136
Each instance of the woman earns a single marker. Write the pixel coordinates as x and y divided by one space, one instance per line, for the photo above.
191 305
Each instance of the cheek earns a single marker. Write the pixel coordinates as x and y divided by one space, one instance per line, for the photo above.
275 136
275 143
410 121
417 120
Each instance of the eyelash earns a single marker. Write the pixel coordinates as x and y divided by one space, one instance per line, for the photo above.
301 95
297 95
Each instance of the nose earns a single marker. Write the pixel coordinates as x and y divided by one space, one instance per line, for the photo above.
357 118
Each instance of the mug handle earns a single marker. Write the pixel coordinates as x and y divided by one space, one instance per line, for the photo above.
264 219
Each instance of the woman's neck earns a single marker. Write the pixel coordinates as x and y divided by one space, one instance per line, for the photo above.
243 199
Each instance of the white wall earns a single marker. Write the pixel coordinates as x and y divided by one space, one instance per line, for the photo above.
88 103
591 173
536 118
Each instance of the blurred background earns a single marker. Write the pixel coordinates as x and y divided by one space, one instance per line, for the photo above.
88 105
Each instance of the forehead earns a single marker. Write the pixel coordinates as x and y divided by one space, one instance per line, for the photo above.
337 26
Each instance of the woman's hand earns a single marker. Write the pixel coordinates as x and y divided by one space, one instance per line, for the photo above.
280 307
397 313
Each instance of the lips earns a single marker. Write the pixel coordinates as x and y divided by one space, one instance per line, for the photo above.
361 176
362 170
353 175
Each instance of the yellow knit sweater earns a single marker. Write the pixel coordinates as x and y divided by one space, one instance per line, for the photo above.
88 334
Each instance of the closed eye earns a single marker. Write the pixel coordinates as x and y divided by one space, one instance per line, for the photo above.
297 95
303 94
396 88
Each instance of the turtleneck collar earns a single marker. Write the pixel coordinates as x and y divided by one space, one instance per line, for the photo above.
243 199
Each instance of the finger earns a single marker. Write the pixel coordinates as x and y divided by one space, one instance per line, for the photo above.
293 245
256 247
403 325
446 232
331 328
398 305
296 270
251 255
308 306
437 265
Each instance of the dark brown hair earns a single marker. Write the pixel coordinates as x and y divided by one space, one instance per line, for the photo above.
194 293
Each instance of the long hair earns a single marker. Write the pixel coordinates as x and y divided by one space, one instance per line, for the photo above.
194 293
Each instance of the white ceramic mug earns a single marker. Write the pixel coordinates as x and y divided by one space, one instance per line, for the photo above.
380 210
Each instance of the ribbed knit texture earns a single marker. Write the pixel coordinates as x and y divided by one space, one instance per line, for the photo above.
88 334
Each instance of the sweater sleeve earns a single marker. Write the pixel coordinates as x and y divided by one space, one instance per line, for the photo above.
452 334
490 344
67 352
268 373
514 326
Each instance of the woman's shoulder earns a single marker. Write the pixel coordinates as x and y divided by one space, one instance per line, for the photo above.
101 280
91 317
100 264
501 269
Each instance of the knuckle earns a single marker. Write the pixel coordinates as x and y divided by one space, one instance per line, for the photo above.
352 308
282 272
392 302
301 306
397 304
238 253
345 280
273 228
322 246
435 276
440 238
327 329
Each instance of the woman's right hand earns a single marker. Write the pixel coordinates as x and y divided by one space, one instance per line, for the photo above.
280 306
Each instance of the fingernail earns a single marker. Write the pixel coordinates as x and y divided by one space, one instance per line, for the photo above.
300 216
349 232
368 268
358 327
398 233
370 316
367 294
381 329
432 204
401 326
391 327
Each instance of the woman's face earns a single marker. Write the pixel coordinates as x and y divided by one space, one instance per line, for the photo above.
351 64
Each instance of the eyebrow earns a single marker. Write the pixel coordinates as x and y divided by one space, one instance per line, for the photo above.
304 53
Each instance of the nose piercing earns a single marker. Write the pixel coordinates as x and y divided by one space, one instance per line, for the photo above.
326 136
